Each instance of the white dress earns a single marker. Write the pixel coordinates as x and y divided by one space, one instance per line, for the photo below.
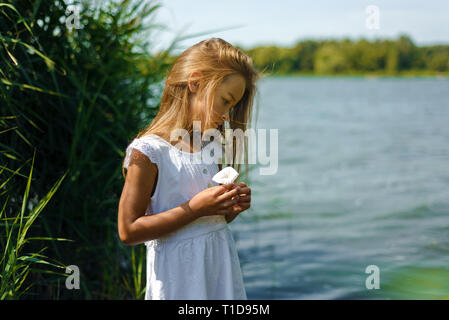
199 260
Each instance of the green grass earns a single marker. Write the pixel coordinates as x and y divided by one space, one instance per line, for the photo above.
15 266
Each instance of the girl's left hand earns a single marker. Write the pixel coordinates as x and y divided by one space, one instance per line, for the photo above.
244 201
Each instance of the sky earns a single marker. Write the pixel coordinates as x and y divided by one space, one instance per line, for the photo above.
249 23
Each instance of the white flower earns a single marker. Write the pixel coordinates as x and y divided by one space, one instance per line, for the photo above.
225 176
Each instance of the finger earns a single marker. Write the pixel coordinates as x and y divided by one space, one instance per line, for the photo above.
228 195
229 203
229 186
242 207
245 190
245 203
244 198
237 209
224 188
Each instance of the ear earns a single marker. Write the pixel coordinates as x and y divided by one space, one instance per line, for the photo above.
193 85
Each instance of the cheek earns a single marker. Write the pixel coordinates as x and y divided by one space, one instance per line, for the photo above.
215 112
201 110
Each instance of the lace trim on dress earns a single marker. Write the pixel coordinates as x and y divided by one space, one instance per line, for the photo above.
143 146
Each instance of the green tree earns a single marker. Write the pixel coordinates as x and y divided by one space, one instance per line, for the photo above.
407 52
266 57
286 60
439 61
306 58
436 58
392 61
329 59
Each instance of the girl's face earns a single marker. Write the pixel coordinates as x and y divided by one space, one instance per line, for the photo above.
226 96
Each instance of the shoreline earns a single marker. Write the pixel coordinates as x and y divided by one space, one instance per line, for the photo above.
443 76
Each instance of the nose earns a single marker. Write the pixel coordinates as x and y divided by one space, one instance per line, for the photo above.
225 117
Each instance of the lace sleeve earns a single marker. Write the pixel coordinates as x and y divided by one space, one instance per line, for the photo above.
144 146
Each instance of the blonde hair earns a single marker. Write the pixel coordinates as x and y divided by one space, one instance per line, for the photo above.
215 59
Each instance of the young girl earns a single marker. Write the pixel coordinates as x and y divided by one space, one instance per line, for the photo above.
169 201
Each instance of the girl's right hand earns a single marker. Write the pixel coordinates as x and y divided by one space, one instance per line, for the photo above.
216 200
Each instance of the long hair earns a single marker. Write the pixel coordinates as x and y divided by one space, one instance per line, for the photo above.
215 59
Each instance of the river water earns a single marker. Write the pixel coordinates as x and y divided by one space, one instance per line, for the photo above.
362 180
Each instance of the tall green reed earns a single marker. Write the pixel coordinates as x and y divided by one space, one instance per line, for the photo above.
14 265
77 97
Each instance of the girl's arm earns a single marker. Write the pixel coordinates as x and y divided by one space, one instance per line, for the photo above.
134 227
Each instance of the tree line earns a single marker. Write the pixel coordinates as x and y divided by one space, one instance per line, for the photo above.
333 57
